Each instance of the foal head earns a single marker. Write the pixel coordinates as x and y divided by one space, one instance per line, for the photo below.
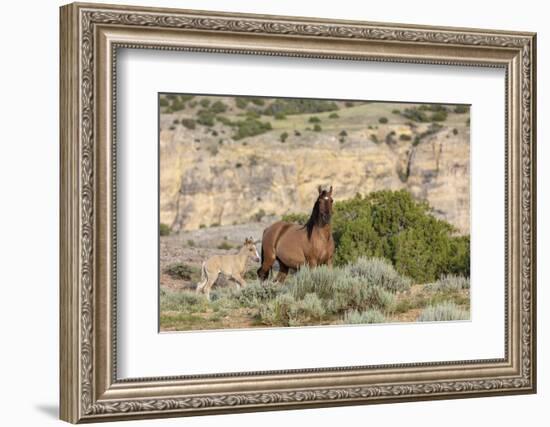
249 248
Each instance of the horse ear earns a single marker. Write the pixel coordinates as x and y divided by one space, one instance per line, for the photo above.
330 191
320 189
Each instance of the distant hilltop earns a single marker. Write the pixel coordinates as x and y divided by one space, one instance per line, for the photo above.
227 160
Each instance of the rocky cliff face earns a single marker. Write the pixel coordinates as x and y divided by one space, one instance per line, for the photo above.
207 178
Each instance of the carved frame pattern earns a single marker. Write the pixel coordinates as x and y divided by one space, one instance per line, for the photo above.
79 401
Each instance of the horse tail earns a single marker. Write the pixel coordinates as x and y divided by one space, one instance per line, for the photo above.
204 278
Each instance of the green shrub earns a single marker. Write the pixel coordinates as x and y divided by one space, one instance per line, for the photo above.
191 243
394 226
295 218
283 136
163 102
164 229
218 107
451 283
415 114
286 311
379 272
383 120
405 137
280 116
374 138
461 109
188 123
317 128
225 246
250 127
258 101
443 312
256 293
396 111
439 116
182 301
258 216
184 271
355 317
299 106
241 102
343 133
206 117
333 116
314 119
205 103
455 131
339 290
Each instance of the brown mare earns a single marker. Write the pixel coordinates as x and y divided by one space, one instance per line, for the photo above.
295 245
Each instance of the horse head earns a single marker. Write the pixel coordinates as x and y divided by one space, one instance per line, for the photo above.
324 203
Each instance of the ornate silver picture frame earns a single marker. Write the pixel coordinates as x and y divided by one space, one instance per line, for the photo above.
91 35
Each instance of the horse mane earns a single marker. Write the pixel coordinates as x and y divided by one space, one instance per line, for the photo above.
313 219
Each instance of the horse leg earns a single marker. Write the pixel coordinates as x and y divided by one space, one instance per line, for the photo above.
268 258
283 271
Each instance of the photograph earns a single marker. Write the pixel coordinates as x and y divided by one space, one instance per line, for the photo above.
300 212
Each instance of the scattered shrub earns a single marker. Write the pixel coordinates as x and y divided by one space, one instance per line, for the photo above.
164 229
255 293
455 131
182 301
383 120
314 119
218 107
299 106
333 116
339 290
279 116
191 243
343 133
396 111
206 117
225 246
163 102
257 217
443 312
461 109
183 271
188 123
354 317
297 133
405 137
283 136
379 272
317 128
439 116
451 283
241 102
295 218
286 311
250 127
176 122
204 103
374 138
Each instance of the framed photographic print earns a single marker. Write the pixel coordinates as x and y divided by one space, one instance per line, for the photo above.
266 212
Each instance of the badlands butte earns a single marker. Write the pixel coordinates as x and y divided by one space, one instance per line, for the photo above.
231 160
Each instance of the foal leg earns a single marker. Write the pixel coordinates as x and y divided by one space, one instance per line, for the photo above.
208 286
239 280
